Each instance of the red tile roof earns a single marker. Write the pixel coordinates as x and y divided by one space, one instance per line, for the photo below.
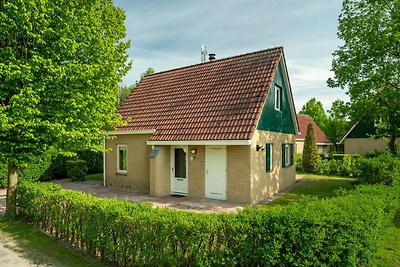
217 100
303 121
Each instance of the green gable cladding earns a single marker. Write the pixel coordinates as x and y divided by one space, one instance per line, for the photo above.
364 129
280 121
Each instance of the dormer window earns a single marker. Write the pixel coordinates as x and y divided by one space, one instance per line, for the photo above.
278 98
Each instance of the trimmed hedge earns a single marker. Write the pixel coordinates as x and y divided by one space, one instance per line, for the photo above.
383 169
341 231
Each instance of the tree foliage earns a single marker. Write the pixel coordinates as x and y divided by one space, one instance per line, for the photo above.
337 121
125 91
60 64
368 63
311 159
315 110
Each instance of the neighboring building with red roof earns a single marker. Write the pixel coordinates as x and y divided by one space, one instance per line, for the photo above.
224 129
323 142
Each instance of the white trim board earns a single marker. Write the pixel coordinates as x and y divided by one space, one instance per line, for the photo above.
202 143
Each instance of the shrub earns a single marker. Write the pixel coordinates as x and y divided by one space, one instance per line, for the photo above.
341 231
299 162
94 160
77 170
383 169
59 166
38 169
311 159
3 175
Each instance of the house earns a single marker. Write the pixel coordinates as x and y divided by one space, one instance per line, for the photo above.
224 129
358 140
323 142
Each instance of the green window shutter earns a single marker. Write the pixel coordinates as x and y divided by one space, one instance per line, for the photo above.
283 156
268 158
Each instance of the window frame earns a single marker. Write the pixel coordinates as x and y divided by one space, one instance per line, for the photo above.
268 157
119 148
288 150
287 155
278 97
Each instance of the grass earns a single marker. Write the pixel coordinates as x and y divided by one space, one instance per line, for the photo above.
388 253
314 186
39 248
94 177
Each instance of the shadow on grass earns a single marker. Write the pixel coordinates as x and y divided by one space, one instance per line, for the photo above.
37 247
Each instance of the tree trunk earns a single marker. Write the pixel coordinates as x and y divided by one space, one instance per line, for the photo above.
11 206
392 144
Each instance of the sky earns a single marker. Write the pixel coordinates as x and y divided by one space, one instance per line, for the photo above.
168 34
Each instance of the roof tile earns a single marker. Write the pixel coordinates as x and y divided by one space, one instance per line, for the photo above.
217 100
303 121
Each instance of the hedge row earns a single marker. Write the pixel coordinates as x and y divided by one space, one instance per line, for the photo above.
341 231
50 167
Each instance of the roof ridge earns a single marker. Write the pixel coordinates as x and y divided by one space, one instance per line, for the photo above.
215 60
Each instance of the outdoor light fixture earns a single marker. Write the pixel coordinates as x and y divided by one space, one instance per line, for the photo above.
193 151
258 148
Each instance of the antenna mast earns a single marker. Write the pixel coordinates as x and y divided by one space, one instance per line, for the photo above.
203 53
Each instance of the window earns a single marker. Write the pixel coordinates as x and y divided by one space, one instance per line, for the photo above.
268 157
122 159
278 97
287 155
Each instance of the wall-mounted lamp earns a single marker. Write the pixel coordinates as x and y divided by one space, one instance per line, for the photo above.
258 148
193 151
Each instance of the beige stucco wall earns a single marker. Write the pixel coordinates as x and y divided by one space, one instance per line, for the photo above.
299 147
265 184
238 174
321 148
160 175
364 145
138 173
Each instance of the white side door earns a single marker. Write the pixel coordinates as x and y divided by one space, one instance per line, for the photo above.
216 172
179 171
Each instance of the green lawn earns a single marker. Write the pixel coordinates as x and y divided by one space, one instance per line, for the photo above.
388 254
34 245
315 186
94 177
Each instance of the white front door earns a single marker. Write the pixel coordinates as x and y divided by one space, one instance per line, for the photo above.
179 172
216 172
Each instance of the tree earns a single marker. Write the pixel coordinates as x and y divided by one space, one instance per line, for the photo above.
125 91
368 63
60 64
337 124
315 110
311 159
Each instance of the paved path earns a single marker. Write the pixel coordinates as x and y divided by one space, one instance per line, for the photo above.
9 258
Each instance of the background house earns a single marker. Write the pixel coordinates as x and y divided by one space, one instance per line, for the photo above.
358 140
224 129
323 142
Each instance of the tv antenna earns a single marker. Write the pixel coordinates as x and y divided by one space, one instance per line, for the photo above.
203 53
